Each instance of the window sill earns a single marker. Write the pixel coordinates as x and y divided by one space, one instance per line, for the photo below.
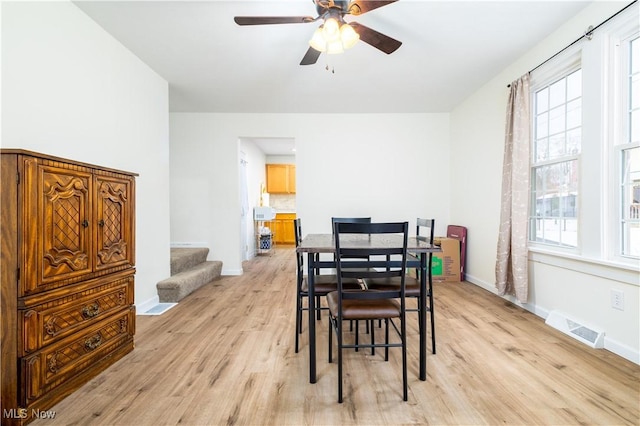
618 271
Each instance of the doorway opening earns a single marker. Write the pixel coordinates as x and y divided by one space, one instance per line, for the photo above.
258 153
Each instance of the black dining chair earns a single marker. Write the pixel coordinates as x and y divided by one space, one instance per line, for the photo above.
387 305
334 220
323 284
348 220
425 233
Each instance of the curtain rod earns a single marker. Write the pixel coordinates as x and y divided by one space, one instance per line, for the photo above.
587 34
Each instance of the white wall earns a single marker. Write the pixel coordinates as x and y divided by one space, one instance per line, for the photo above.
256 179
70 90
580 289
388 166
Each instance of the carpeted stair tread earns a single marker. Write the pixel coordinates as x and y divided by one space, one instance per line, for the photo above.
184 258
178 286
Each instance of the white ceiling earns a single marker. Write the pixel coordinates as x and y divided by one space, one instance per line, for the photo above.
450 49
275 146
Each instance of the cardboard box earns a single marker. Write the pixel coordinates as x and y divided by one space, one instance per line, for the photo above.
445 266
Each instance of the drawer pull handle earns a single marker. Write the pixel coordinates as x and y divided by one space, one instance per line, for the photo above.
91 311
93 343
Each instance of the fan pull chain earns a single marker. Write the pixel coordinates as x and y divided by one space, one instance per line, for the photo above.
333 71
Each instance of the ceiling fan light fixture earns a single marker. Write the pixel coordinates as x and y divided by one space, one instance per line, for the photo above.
331 29
335 46
334 34
334 37
349 36
317 41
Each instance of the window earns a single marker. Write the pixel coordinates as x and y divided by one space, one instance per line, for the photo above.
630 154
557 142
585 147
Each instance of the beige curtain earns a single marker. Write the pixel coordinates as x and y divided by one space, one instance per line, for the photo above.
511 264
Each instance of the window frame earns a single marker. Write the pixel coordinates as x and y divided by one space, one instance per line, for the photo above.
560 67
621 34
599 204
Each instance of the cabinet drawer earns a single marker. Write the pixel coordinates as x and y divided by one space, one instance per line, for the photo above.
75 355
49 322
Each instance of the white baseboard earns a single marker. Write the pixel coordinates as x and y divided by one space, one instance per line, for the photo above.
623 350
231 271
534 309
609 344
147 304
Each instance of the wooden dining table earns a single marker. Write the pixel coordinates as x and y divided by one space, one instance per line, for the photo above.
315 244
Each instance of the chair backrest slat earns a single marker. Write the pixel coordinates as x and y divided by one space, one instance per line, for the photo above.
349 220
425 223
335 220
297 225
425 229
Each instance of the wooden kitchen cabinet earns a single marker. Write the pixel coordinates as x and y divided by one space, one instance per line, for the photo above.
281 178
67 270
287 231
291 179
282 227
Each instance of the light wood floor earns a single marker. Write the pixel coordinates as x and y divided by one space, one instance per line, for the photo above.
225 355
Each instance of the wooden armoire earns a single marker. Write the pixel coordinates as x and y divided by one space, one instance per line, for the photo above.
67 267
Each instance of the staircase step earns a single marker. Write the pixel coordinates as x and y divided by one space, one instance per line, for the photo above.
184 258
178 286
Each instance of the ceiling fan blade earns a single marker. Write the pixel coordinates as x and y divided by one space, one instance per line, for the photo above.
265 20
378 40
311 57
358 7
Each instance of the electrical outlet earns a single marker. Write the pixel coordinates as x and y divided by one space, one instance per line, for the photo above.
617 299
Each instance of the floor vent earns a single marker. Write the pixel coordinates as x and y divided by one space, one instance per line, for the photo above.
575 329
158 309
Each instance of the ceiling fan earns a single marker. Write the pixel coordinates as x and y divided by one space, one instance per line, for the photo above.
334 35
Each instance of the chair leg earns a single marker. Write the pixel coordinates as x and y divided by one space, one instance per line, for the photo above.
386 339
357 334
433 324
330 340
339 333
373 340
318 306
298 320
403 332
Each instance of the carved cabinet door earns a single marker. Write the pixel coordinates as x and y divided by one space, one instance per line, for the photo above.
114 219
56 224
